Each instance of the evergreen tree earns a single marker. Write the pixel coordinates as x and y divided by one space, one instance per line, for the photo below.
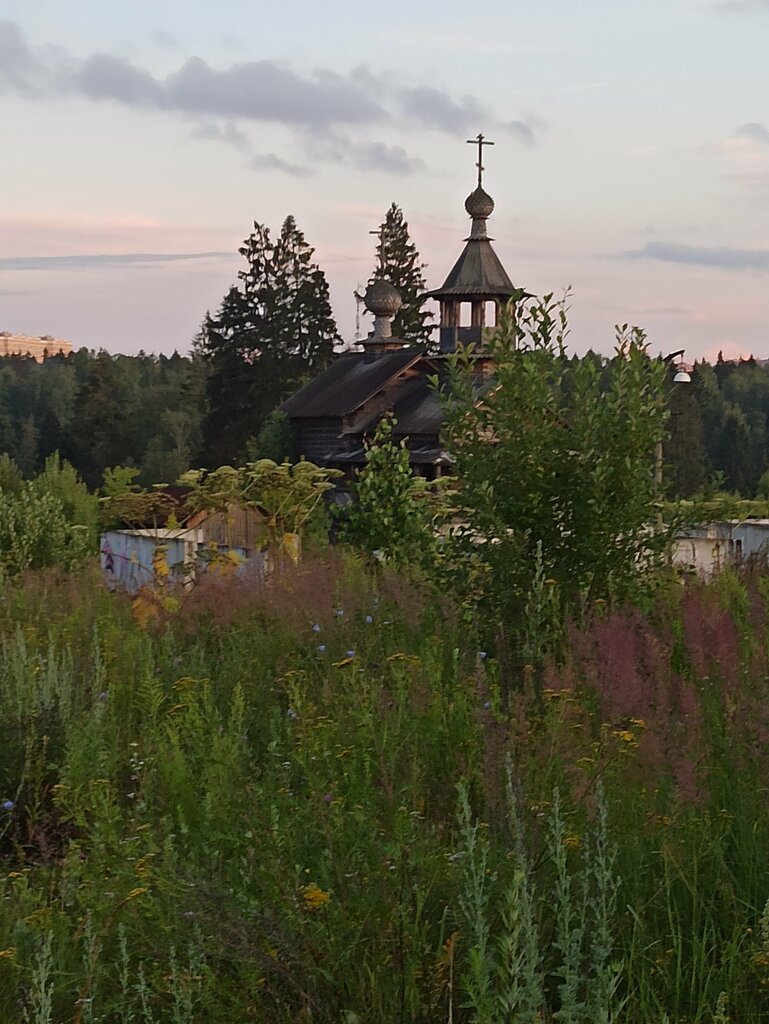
97 432
403 269
272 331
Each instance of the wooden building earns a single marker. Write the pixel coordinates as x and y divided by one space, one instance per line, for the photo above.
335 412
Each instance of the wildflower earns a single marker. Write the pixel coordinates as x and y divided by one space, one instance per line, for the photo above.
351 654
549 583
314 896
482 654
7 805
103 695
138 891
369 619
486 705
322 648
327 798
626 736
8 954
316 628
638 723
571 842
292 714
339 612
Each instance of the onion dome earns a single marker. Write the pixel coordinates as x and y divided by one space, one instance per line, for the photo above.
382 299
479 204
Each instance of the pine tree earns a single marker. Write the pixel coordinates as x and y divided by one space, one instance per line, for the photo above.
403 269
98 432
273 330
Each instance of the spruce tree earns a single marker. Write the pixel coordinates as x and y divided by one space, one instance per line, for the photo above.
403 269
272 331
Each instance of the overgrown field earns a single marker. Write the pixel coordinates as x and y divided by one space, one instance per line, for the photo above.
322 801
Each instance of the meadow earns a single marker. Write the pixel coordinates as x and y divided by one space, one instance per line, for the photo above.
320 799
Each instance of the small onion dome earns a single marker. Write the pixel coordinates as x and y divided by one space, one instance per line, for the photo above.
479 204
382 299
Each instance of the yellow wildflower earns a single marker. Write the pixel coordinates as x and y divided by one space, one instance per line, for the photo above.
571 842
7 954
138 891
314 896
760 959
626 736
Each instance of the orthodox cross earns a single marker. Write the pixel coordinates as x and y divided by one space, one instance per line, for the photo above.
480 142
381 234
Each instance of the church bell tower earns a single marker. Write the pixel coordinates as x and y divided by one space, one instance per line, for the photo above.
477 278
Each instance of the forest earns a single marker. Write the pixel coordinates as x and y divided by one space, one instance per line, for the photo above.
100 410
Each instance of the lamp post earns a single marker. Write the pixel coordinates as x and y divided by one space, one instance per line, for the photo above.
682 376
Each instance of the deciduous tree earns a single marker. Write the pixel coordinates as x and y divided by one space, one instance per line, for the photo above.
555 463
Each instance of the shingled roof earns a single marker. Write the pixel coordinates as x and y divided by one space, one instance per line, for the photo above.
477 272
348 382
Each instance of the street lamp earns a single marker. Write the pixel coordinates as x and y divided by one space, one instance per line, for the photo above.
682 376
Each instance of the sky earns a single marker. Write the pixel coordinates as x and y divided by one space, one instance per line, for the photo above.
143 139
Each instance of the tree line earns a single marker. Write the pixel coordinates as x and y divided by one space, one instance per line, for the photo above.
273 330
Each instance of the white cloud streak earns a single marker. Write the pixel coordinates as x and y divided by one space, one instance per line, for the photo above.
721 257
94 262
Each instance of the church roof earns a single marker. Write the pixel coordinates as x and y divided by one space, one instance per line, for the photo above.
477 273
415 407
349 381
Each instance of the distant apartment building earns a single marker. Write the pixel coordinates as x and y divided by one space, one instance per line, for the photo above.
38 347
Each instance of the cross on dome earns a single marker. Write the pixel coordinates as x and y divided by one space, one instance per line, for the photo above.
480 141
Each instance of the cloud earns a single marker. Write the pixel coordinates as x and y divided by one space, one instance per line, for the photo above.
376 156
318 102
522 130
755 132
103 77
722 257
435 109
96 261
264 91
20 70
165 39
271 162
337 148
254 90
227 132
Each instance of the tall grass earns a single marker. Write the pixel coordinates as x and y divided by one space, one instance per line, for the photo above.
317 801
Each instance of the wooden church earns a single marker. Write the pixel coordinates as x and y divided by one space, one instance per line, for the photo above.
335 412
